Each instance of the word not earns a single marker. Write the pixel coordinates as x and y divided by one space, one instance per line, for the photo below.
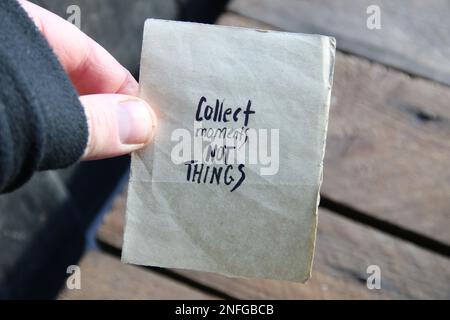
219 114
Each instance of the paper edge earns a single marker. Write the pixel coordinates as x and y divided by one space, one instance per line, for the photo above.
329 57
218 26
331 52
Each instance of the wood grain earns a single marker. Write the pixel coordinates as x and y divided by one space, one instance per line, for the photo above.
414 34
387 148
388 144
105 277
344 250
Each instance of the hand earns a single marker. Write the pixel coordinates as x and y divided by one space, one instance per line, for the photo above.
118 122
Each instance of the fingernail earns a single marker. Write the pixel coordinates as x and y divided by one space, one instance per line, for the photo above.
135 122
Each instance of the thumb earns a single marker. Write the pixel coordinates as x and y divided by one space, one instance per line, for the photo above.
118 124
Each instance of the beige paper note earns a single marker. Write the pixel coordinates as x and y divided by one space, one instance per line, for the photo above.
231 182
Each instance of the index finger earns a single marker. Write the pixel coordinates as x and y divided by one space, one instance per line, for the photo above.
90 67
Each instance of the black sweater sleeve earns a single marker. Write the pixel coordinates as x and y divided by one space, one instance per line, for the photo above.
42 123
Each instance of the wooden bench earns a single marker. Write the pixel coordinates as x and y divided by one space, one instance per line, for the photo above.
386 191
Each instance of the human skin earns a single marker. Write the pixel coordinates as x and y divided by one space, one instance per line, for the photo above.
118 121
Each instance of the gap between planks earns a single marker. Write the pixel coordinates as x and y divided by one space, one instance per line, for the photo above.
344 250
104 277
387 151
107 247
413 38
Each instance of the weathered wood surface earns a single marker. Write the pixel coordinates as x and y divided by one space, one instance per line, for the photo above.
387 147
388 144
414 34
344 250
105 277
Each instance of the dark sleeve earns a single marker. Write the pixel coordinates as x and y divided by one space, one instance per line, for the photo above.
42 123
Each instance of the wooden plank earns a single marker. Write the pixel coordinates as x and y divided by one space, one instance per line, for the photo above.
105 277
388 144
414 34
344 251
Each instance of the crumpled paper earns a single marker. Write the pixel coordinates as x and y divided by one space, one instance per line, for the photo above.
259 217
